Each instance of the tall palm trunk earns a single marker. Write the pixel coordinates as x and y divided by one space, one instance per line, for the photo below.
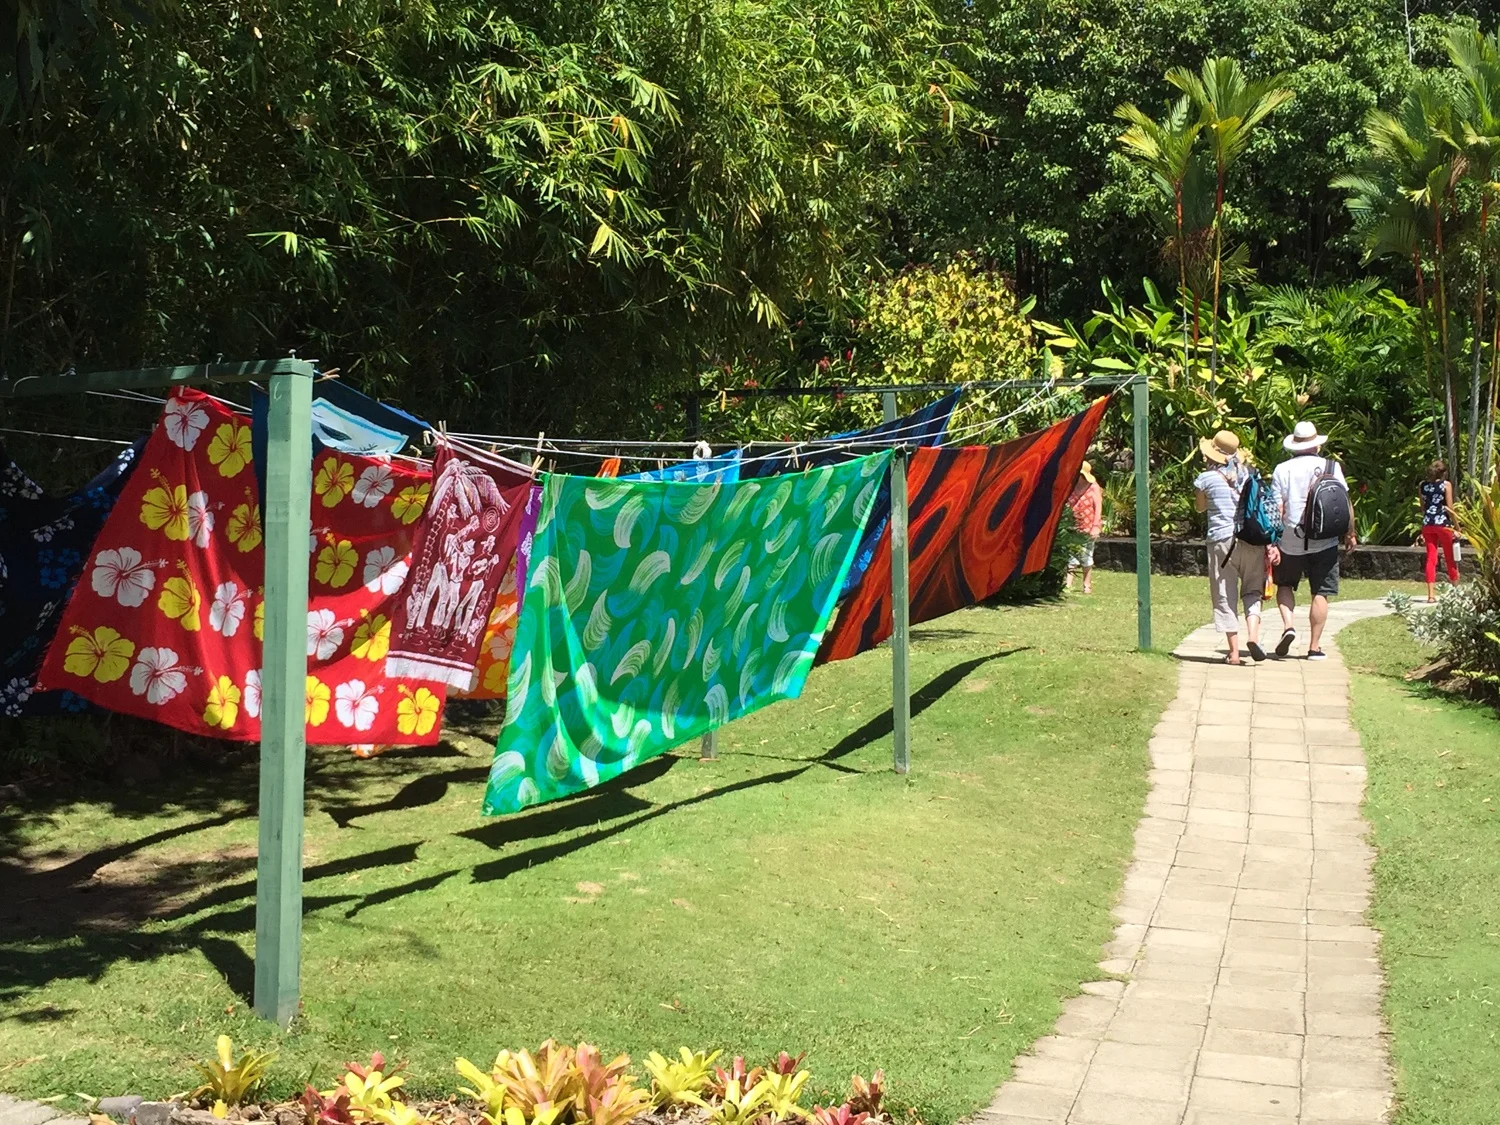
1450 412
1476 385
1213 337
1425 324
1182 286
1487 466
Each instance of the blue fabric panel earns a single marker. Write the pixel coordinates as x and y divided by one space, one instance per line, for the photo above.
343 419
44 544
928 426
724 468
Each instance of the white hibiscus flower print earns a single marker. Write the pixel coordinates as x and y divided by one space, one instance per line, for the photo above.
355 706
228 609
373 486
200 519
251 700
324 634
185 423
157 675
14 695
384 572
120 574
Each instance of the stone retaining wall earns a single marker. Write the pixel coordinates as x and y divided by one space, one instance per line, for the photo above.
1187 557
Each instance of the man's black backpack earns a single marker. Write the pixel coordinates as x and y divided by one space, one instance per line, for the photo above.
1327 513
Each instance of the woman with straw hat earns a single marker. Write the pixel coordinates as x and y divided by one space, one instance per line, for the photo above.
1087 502
1236 570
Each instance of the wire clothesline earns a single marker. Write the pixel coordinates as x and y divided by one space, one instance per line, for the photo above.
560 446
588 445
64 437
784 450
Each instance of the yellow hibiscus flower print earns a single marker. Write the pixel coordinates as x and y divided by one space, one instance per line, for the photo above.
336 563
244 526
181 602
260 620
165 509
496 677
372 640
334 481
417 711
409 502
223 706
230 448
102 654
318 696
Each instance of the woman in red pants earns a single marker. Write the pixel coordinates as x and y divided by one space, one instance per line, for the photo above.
1437 525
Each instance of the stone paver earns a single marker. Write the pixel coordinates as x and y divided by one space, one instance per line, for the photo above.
13 1112
1251 990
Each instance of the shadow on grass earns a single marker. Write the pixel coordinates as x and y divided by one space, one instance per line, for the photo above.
65 922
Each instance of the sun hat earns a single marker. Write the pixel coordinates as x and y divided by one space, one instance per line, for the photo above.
1220 448
1303 439
1086 471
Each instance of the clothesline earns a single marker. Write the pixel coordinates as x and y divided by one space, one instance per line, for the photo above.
557 447
886 439
64 437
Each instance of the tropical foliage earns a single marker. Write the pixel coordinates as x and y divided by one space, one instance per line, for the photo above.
557 1085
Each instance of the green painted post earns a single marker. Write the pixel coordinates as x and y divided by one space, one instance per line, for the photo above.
900 616
709 749
1142 406
283 746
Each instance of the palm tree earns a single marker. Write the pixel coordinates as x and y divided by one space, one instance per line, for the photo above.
1401 199
1230 106
1476 57
1165 149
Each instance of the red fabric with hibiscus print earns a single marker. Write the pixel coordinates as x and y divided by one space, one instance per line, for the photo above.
168 619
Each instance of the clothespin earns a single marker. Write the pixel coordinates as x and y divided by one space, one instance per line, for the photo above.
538 459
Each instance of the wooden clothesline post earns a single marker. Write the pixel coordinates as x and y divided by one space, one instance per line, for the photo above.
900 603
283 730
283 745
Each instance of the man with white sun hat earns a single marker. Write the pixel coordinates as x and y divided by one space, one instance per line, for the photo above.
1316 513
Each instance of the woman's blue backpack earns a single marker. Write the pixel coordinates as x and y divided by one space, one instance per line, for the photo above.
1257 520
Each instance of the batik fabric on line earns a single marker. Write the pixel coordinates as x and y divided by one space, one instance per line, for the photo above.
928 426
706 470
168 621
43 543
978 517
464 545
656 611
493 667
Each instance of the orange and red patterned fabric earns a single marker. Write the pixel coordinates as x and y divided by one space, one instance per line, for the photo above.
166 623
978 517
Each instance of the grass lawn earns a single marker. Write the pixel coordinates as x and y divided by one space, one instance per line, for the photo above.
1434 801
793 894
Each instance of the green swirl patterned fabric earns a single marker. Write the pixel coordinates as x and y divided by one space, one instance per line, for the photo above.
656 611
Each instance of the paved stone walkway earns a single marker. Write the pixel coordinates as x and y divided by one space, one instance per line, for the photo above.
1251 990
13 1112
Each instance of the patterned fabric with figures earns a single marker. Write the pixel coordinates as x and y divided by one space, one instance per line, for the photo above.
655 611
168 620
43 543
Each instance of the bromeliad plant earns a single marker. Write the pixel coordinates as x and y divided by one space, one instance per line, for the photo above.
680 1082
486 1090
739 1105
368 1090
866 1096
559 1085
230 1080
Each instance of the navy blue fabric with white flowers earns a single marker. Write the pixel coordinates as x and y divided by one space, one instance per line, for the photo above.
44 541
